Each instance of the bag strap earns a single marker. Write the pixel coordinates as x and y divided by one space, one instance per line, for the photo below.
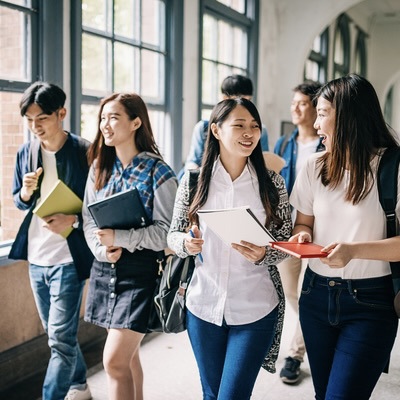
387 189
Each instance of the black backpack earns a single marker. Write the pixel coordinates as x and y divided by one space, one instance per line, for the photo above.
387 189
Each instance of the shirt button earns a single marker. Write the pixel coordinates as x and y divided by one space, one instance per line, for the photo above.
113 265
109 310
112 280
331 283
112 295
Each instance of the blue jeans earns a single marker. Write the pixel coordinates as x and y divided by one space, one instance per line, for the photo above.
58 294
229 357
349 328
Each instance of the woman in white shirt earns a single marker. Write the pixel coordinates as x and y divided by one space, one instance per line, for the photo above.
235 300
346 306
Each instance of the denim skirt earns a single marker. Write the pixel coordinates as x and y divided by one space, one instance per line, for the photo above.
120 295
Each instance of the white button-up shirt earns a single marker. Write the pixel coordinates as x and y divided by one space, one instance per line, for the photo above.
226 285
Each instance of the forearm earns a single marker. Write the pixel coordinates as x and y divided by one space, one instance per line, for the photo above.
384 250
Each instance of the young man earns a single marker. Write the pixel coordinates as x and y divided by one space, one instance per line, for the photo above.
295 149
58 267
232 86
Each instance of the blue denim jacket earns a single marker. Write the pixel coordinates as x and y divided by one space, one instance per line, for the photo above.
289 153
72 169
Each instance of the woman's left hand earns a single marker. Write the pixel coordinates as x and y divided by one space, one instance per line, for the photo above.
250 251
105 237
339 255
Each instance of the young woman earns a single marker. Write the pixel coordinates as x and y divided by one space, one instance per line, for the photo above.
235 300
346 306
122 282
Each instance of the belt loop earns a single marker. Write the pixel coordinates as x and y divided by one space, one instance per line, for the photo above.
350 286
313 275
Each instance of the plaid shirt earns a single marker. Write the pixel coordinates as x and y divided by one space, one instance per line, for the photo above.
146 172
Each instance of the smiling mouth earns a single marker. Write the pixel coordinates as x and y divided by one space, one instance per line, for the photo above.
246 144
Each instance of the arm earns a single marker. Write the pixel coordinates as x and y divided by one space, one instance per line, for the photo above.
154 236
196 150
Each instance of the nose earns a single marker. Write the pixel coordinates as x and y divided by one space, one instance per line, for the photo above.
316 124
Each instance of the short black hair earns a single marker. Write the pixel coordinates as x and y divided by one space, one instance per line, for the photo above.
236 85
309 88
47 96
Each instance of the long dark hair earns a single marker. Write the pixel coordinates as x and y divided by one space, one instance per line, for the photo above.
361 131
144 138
268 192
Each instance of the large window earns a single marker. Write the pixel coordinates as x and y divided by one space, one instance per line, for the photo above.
124 50
229 31
18 67
317 63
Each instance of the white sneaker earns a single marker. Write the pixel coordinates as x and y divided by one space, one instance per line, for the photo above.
75 394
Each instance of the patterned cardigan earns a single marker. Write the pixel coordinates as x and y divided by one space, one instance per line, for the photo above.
180 225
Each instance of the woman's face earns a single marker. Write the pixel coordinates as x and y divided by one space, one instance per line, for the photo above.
325 122
238 135
115 125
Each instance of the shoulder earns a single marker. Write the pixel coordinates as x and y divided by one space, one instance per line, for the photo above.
161 171
79 141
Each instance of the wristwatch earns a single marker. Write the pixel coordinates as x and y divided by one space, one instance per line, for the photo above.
75 225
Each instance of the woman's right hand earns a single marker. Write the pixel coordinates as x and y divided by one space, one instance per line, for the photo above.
301 237
113 253
194 244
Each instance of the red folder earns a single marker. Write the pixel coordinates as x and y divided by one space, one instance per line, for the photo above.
300 250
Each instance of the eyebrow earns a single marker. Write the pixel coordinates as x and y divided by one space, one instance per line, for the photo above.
37 115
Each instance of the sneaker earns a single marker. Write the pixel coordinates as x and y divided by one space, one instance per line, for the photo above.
75 394
290 373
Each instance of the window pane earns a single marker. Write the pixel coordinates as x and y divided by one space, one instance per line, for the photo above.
152 78
23 3
210 83
89 121
210 29
12 136
237 5
225 42
126 68
127 18
96 53
157 120
153 22
15 49
97 14
339 48
239 48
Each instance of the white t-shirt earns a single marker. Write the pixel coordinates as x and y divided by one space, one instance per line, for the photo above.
46 248
304 150
337 220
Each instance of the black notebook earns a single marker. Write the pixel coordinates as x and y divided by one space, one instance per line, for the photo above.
122 210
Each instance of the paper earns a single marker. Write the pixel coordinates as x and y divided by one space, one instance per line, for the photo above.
235 224
61 199
122 210
300 250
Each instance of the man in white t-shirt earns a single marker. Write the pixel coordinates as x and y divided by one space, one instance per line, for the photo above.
58 266
295 148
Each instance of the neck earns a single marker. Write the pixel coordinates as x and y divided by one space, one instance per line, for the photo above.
56 142
307 133
234 166
126 154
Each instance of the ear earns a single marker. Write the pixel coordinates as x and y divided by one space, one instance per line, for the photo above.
62 112
136 123
214 130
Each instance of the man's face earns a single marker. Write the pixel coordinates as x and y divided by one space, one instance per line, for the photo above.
302 110
42 125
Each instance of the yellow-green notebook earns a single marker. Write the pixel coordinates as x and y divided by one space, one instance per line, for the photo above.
61 199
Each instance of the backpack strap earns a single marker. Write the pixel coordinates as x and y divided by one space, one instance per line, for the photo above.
387 189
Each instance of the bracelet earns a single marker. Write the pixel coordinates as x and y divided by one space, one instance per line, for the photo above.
261 260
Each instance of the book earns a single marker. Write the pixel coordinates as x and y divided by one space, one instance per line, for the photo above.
60 199
123 210
300 250
235 224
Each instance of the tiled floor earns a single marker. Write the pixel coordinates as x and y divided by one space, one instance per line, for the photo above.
171 373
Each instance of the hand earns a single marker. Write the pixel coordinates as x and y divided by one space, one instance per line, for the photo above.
113 253
340 255
301 237
194 244
105 237
250 251
58 223
30 184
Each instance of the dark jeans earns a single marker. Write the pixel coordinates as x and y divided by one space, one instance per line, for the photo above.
229 357
349 327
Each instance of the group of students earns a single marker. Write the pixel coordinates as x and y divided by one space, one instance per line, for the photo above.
235 301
